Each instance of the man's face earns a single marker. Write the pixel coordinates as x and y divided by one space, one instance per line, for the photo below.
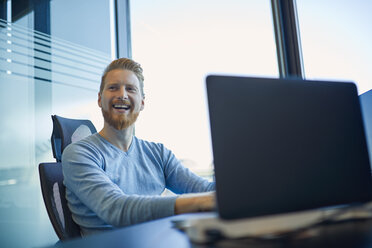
121 99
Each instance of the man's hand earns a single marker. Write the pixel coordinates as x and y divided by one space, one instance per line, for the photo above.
199 202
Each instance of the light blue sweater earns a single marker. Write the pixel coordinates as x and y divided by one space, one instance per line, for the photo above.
107 187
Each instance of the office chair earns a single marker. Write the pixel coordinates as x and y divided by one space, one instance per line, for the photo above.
66 131
53 190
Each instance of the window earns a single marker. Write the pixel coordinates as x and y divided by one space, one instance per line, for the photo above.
336 40
178 43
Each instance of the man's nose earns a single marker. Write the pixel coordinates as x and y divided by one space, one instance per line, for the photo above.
123 93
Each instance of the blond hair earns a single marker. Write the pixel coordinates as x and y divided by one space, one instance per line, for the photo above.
124 64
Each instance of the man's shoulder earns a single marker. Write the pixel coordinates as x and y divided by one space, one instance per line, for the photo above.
92 139
89 143
89 150
151 151
145 144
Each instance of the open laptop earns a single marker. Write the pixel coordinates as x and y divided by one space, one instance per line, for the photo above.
366 105
284 146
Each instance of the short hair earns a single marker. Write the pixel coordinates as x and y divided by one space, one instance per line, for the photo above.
124 64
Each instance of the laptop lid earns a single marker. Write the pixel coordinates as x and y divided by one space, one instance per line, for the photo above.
366 106
284 145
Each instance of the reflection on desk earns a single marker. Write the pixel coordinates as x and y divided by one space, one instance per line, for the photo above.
161 233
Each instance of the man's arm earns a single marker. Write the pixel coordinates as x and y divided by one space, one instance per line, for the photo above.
195 203
96 192
180 179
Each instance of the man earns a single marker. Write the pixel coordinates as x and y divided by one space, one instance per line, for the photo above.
114 179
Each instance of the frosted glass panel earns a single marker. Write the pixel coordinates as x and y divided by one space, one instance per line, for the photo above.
41 76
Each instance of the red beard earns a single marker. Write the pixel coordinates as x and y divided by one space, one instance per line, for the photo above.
119 122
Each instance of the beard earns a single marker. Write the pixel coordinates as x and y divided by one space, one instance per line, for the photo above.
119 122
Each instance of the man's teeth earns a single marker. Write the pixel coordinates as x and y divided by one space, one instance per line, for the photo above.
121 106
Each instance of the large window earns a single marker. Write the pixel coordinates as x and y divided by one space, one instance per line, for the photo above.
178 43
336 40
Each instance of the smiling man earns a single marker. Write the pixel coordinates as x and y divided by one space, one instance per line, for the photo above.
115 179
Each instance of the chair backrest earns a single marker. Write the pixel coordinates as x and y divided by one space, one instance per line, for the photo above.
53 190
66 131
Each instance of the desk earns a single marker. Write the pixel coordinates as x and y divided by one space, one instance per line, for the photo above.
160 233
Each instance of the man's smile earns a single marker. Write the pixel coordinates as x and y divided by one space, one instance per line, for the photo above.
121 106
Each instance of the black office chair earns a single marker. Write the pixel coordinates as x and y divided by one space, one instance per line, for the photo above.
53 190
65 131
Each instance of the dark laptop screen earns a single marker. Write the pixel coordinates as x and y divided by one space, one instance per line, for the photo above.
286 145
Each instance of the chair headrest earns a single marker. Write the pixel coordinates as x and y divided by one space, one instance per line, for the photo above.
67 131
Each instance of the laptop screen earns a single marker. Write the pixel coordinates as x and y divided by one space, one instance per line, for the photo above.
284 145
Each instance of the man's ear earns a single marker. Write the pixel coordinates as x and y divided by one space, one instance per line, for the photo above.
143 103
99 100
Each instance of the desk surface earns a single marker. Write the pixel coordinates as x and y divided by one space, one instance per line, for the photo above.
160 233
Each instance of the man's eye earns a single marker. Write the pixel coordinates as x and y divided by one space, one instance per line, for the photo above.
131 89
112 87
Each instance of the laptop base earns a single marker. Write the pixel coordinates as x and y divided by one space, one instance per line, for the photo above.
209 227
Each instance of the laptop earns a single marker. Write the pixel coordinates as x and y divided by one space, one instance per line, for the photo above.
284 146
366 105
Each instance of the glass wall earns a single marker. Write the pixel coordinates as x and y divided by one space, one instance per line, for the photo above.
68 23
336 40
40 75
178 43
